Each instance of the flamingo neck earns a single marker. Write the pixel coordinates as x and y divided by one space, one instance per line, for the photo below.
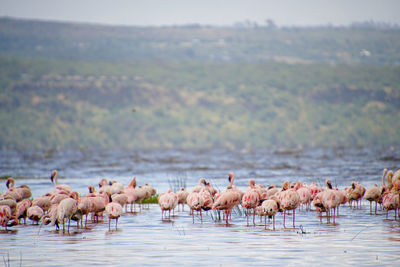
383 178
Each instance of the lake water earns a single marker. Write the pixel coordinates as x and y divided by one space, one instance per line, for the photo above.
143 238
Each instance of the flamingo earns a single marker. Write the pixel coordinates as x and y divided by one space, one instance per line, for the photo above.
318 203
151 191
35 213
99 204
115 187
396 180
20 192
304 194
390 197
330 200
5 215
251 200
373 194
130 191
355 193
269 208
66 209
104 186
113 211
51 216
10 202
342 198
390 201
206 199
120 198
228 198
197 188
167 202
22 208
289 199
86 206
194 201
210 188
315 189
182 196
43 201
141 194
54 180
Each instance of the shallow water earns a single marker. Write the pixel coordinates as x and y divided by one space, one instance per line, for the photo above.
142 238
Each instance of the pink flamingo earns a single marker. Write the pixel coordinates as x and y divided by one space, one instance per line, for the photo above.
304 194
113 211
198 187
54 180
121 198
167 202
330 200
396 180
131 193
35 214
195 202
227 199
10 202
66 209
390 197
355 193
86 206
318 204
315 189
150 191
269 208
5 215
373 194
22 208
43 201
210 188
99 204
290 200
182 196
20 192
342 198
251 199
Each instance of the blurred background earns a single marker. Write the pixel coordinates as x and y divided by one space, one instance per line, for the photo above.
199 74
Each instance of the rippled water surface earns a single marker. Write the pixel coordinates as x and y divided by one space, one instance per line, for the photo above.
142 238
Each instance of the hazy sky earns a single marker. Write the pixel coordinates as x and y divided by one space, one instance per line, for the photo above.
210 12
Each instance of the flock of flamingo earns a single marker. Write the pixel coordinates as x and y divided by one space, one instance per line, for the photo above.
268 201
63 204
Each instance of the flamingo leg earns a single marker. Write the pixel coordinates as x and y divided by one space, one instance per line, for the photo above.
284 215
294 217
265 221
273 222
116 223
254 217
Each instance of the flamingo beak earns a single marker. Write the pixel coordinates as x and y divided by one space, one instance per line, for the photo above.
8 184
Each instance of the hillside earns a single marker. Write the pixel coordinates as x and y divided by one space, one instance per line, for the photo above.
345 45
143 87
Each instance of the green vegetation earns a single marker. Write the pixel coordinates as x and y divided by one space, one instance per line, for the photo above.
140 89
151 200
